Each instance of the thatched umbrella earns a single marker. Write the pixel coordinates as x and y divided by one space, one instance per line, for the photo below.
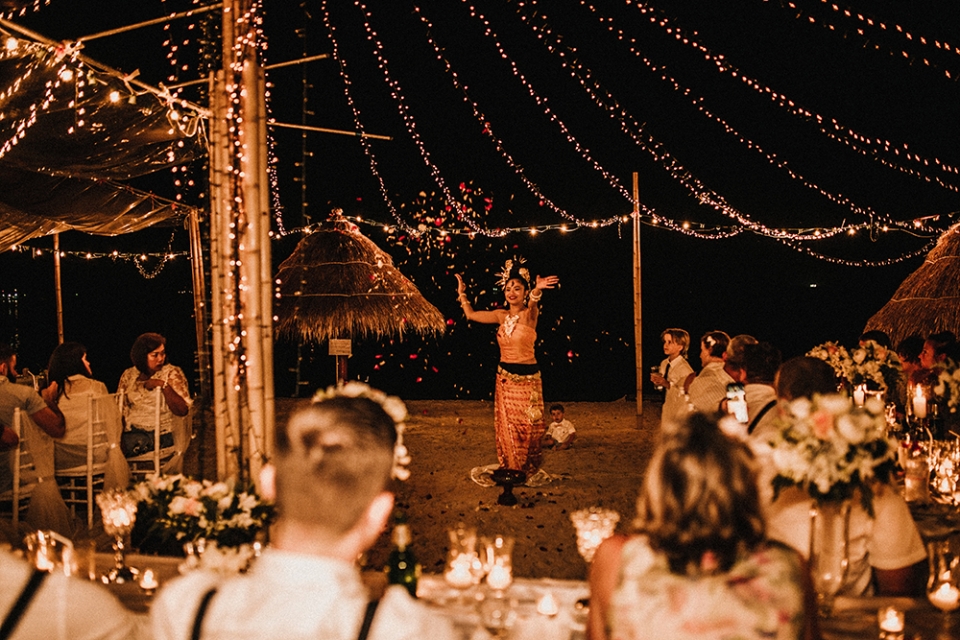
337 284
928 301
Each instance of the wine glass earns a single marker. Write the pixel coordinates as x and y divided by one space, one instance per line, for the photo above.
942 586
119 512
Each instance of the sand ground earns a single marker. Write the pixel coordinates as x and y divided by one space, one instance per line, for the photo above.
448 438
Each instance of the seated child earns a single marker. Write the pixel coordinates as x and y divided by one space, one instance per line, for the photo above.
561 432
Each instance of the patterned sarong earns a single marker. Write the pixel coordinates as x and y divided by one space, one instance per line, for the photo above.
518 420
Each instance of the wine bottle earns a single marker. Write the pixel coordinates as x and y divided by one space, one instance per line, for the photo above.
402 566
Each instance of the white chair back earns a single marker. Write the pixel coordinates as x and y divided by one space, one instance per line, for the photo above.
22 465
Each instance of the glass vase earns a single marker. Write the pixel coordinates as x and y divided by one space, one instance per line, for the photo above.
829 550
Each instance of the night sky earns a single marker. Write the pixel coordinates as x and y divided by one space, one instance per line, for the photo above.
852 128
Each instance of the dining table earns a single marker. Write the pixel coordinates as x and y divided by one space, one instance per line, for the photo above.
549 609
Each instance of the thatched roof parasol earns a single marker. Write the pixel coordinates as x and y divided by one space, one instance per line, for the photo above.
928 301
339 284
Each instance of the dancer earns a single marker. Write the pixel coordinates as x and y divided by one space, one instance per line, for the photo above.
518 396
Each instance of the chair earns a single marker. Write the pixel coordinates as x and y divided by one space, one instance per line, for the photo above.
160 459
17 499
79 484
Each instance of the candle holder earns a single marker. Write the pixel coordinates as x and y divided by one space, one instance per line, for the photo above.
593 525
498 562
464 568
891 622
943 589
49 551
119 512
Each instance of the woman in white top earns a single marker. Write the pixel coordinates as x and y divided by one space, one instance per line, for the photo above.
151 371
77 393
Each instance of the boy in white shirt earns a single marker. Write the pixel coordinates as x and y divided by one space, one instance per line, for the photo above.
561 432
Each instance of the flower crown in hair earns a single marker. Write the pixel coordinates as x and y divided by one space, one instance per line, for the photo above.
508 272
392 406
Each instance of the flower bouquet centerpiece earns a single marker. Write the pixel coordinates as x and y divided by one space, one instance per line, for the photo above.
874 367
175 511
835 355
833 449
946 387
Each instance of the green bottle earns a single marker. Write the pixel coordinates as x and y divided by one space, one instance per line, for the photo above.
402 566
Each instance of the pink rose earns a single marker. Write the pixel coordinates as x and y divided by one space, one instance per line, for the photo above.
822 424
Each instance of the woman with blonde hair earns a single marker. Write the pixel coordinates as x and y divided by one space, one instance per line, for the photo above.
699 565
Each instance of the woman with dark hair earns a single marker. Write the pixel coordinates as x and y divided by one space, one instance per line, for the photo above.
138 385
518 395
82 399
698 565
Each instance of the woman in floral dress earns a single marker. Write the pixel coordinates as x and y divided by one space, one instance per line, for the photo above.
699 565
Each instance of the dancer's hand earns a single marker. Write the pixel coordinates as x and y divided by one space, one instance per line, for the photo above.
547 283
461 287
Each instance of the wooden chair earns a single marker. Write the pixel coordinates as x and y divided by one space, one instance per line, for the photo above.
78 485
16 500
158 459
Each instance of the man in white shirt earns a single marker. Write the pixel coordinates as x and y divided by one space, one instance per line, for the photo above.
760 364
63 608
333 464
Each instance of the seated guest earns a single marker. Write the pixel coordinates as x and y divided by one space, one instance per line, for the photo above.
63 607
70 370
887 556
41 423
699 565
709 387
908 350
760 363
151 371
333 466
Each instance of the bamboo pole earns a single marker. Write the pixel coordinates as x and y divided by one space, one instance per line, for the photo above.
217 278
637 316
250 266
199 302
57 286
266 276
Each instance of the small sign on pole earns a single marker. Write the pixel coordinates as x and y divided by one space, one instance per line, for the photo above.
340 347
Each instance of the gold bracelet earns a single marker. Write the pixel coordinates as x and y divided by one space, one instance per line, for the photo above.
539 294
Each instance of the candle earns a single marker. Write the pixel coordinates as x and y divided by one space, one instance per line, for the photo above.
547 606
919 404
946 597
890 620
859 394
148 582
499 577
458 575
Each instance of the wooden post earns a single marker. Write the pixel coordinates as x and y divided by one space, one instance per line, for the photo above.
57 286
637 316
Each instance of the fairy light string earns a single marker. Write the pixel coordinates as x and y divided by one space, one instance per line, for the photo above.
708 198
396 93
357 120
877 148
703 194
606 102
864 22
